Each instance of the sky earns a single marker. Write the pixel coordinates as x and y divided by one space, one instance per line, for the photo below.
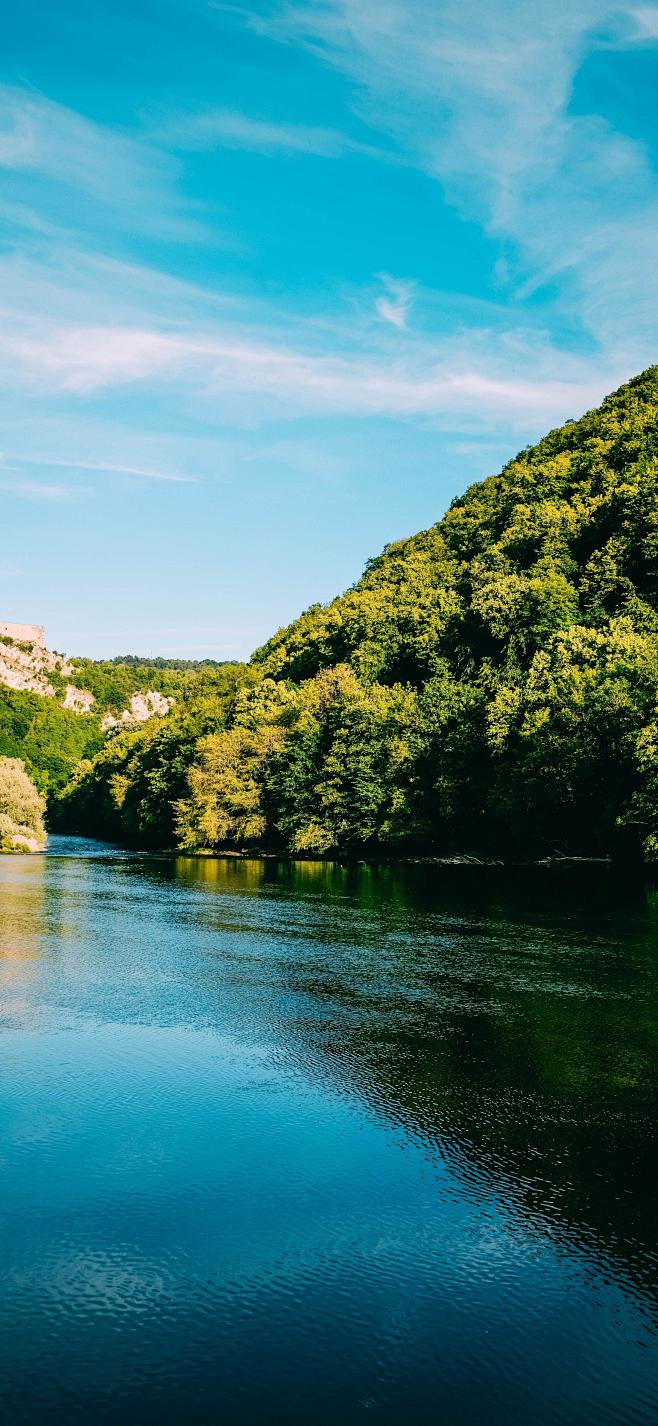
280 279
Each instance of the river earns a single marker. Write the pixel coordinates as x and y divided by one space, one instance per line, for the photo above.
295 1143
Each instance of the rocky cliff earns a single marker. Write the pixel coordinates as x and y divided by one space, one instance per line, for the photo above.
28 666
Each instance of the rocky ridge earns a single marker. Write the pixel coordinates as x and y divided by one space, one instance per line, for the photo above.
28 666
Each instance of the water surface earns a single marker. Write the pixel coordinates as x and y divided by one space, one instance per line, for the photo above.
301 1144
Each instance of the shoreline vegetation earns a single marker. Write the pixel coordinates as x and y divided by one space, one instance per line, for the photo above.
22 810
487 692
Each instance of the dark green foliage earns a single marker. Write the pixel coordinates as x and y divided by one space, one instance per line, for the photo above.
489 685
50 739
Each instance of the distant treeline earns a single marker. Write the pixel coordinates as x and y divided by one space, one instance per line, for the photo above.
488 686
136 661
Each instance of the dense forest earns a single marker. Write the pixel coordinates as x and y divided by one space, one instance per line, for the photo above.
488 686
113 681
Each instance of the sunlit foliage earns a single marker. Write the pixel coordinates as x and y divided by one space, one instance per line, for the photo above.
21 809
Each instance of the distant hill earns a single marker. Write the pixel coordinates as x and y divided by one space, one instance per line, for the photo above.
55 710
488 686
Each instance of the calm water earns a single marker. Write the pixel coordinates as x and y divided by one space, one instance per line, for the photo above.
308 1145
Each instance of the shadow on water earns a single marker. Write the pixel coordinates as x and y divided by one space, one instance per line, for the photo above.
509 1018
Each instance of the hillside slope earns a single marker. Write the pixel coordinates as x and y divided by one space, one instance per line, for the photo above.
567 533
489 685
55 710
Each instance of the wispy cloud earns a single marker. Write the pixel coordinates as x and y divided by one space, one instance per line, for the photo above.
38 490
429 380
227 128
288 364
645 19
103 467
83 359
77 329
10 569
129 177
394 306
478 95
478 98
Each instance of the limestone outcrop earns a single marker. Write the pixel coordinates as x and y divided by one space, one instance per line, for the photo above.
28 666
142 706
24 633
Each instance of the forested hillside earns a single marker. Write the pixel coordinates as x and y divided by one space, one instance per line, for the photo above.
51 737
488 686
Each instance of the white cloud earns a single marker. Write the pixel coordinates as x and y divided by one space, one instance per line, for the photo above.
74 329
103 467
72 435
431 380
394 306
133 180
477 98
645 18
227 128
86 359
40 490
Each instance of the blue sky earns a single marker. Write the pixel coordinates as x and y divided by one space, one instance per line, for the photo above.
280 279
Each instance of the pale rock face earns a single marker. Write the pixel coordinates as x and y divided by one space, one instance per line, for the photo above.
78 699
142 706
27 666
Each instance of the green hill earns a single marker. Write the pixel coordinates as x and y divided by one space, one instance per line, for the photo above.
488 686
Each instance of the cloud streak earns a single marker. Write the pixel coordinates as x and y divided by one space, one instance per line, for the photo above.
395 305
104 468
227 128
41 490
645 19
125 175
428 381
478 96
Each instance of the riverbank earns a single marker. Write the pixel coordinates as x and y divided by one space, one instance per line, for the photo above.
463 859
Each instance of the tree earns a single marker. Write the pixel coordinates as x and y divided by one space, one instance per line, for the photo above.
22 809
